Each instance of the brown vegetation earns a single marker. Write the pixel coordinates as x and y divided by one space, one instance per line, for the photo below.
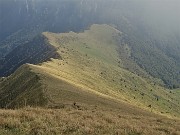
94 121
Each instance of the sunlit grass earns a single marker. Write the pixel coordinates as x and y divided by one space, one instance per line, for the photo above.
91 62
89 121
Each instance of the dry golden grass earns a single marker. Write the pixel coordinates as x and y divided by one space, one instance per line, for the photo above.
88 92
94 121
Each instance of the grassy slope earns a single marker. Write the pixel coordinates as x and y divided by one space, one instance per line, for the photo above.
90 75
91 61
22 88
93 113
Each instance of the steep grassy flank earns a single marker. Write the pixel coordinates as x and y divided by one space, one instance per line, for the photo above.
61 93
31 86
94 121
90 60
21 88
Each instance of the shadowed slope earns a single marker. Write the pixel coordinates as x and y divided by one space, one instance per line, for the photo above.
21 88
35 51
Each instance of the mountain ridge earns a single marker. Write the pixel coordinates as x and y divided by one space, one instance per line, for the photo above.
148 41
91 65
